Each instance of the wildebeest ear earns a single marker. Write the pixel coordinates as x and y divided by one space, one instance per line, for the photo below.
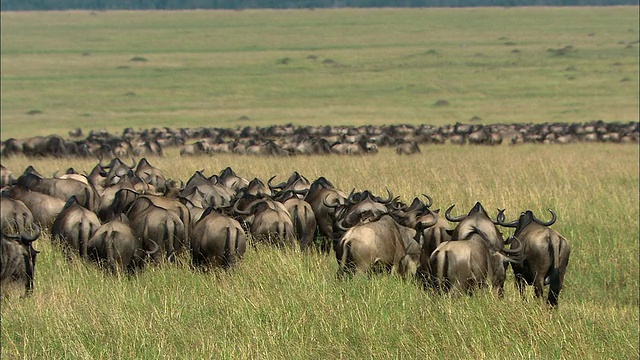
449 232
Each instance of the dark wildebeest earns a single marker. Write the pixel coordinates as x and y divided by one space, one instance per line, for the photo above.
321 191
73 228
116 247
217 240
545 255
231 180
271 221
379 245
18 259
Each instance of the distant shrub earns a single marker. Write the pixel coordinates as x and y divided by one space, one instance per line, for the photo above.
284 61
138 59
34 112
441 102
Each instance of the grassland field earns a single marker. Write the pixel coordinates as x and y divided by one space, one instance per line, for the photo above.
62 70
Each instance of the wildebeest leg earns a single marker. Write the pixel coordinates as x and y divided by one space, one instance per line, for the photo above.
521 284
28 275
538 286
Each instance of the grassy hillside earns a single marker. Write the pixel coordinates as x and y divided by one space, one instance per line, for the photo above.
290 305
349 66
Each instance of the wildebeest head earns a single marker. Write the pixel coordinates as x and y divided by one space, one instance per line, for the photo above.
524 220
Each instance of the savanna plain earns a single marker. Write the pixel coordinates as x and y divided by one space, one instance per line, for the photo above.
111 70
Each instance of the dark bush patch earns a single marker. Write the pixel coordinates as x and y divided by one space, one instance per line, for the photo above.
328 61
85 114
571 77
138 59
441 102
516 51
86 54
34 112
510 43
284 61
244 118
560 52
130 93
570 68
625 79
312 57
502 38
591 34
431 52
475 119
122 67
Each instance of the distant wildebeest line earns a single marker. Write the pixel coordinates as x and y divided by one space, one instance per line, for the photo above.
125 216
288 140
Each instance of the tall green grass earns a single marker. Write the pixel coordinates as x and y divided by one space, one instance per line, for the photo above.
279 304
62 70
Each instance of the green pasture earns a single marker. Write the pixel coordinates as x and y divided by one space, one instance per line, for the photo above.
288 305
117 69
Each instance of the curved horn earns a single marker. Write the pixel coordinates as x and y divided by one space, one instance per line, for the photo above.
55 175
550 222
514 250
500 220
334 205
350 199
134 163
429 200
425 225
26 238
447 215
241 212
154 250
340 225
387 200
271 186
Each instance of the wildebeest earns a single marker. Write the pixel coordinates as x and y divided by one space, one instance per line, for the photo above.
63 189
302 217
217 240
18 259
15 216
545 254
379 245
116 247
151 175
73 228
44 208
320 192
271 222
154 223
466 264
476 220
6 177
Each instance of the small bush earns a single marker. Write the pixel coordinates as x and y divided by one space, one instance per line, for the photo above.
138 59
441 102
284 61
34 112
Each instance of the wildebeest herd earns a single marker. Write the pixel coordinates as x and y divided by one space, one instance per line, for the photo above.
286 140
125 216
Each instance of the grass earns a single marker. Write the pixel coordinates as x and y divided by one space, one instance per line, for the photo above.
327 66
290 305
336 67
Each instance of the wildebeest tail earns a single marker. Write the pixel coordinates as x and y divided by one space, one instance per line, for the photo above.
169 237
344 264
298 227
109 243
440 263
553 275
227 257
